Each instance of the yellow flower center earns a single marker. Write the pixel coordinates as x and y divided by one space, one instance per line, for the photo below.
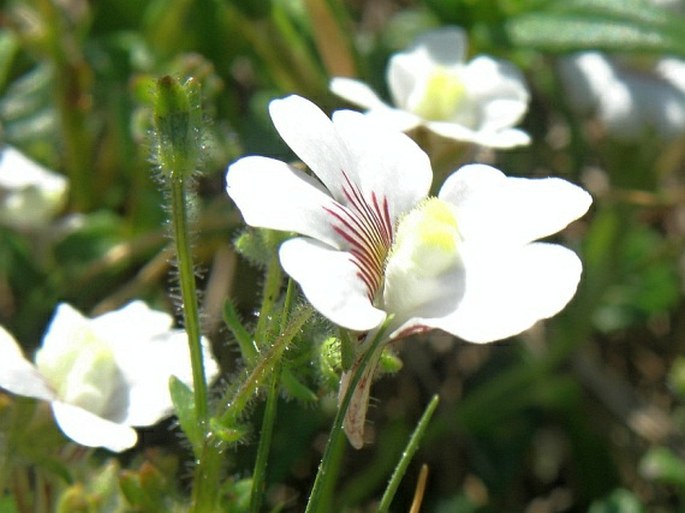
443 91
427 239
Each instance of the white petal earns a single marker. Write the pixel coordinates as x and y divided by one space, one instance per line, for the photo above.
329 280
356 92
673 71
18 171
499 90
659 104
452 130
30 194
414 298
507 138
445 47
506 294
148 395
493 209
136 319
394 119
17 374
90 430
586 76
384 161
271 194
620 110
67 332
311 135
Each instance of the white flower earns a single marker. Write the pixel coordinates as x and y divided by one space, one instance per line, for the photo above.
30 195
103 375
431 85
373 243
627 101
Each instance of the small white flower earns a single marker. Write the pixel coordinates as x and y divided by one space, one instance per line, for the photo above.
374 244
103 375
30 195
432 85
627 101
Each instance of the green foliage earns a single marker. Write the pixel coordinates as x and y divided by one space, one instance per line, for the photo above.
615 25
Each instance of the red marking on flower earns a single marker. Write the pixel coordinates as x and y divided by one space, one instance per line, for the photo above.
366 227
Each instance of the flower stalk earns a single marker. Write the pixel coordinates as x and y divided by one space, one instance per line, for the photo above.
407 455
324 477
177 116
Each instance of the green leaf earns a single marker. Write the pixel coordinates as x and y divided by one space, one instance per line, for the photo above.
242 336
295 388
184 405
614 25
9 46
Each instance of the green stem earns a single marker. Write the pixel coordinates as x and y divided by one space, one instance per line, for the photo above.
191 318
259 474
324 476
237 402
408 454
270 292
206 478
265 435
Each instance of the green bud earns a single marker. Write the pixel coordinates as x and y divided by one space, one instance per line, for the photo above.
177 126
389 362
258 245
330 364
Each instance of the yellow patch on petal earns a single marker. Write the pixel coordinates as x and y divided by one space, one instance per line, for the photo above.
442 94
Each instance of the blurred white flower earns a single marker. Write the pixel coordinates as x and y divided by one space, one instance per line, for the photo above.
375 244
103 375
627 101
30 195
431 84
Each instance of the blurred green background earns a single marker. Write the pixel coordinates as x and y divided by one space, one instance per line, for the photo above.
582 413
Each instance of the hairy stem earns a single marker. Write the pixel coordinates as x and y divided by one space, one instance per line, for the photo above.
186 277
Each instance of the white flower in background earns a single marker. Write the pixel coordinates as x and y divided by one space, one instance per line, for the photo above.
627 101
103 375
30 195
373 243
431 84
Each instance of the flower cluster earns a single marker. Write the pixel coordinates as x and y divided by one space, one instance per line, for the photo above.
103 376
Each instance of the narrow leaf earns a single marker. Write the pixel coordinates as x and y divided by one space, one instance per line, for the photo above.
184 406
